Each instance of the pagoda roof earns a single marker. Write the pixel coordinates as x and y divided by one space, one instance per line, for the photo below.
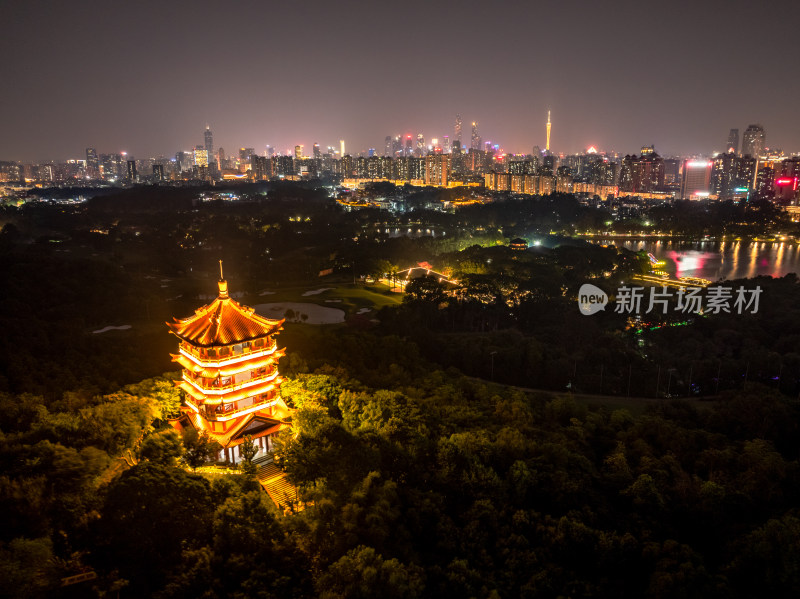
223 322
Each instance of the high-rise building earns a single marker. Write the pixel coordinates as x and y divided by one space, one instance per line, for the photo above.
397 146
244 155
765 183
408 145
446 144
132 175
92 164
420 151
696 183
723 175
745 173
476 139
158 172
200 156
458 129
209 142
753 141
437 169
341 148
260 167
672 171
317 153
298 152
547 144
387 146
733 142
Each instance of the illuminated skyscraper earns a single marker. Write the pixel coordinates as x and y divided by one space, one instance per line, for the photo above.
408 145
200 156
723 175
341 147
317 153
437 169
209 142
458 128
753 141
420 145
547 144
92 163
158 172
733 142
696 181
387 146
476 139
132 175
298 152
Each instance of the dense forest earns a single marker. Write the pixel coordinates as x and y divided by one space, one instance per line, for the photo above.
448 447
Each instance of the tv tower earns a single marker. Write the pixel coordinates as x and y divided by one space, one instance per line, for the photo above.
547 145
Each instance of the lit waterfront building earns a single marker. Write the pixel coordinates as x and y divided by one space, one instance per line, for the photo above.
230 375
696 182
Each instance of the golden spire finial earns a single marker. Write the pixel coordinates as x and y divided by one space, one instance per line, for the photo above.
223 284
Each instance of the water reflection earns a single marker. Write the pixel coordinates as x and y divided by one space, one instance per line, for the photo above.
721 260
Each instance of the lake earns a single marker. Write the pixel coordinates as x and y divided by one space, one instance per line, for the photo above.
715 260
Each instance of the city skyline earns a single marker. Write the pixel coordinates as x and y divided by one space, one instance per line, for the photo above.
212 147
138 79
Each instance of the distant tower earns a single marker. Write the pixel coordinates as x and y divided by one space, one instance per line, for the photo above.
733 142
387 146
476 140
547 144
298 152
317 153
420 144
341 147
753 141
92 164
209 139
458 128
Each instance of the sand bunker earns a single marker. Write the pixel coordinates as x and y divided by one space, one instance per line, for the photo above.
316 314
123 327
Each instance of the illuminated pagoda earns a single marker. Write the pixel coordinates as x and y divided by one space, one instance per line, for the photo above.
230 377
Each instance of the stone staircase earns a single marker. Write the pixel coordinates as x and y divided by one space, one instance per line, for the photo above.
275 483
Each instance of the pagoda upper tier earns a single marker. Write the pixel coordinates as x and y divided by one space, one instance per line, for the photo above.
223 322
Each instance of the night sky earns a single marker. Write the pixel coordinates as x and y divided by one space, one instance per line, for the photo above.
146 77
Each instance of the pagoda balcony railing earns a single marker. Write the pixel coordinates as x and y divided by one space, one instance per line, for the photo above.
220 416
190 352
222 390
